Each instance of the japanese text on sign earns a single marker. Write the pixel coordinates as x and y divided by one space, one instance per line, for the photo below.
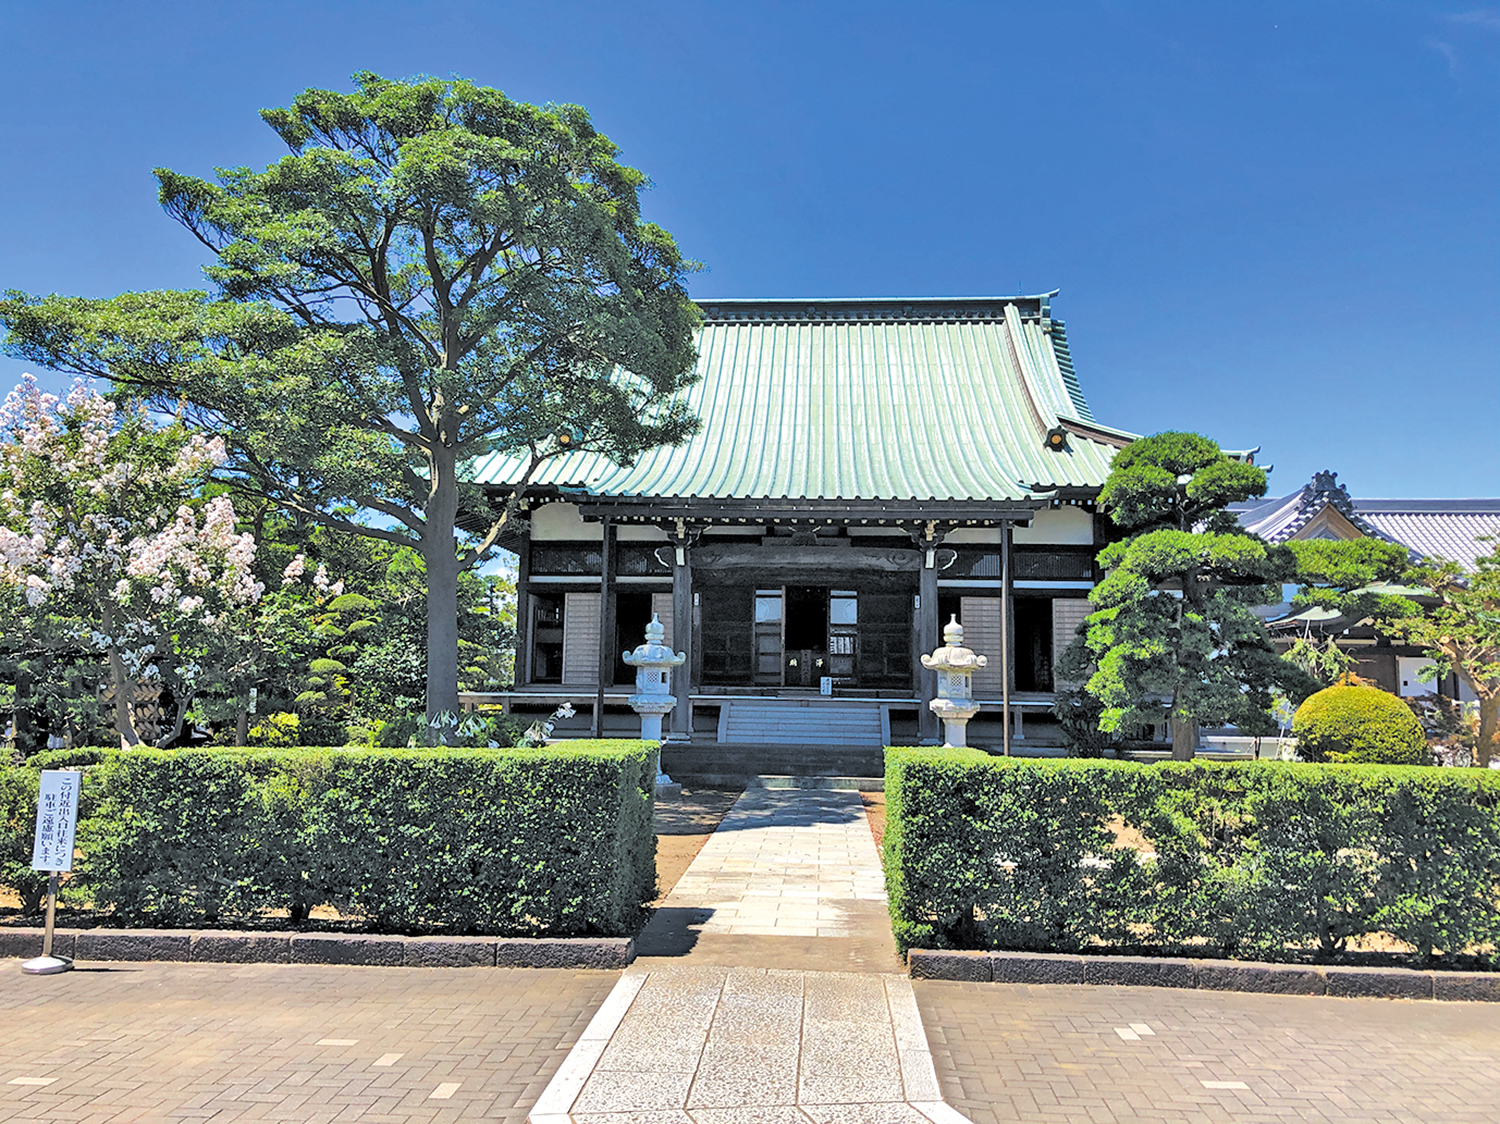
56 817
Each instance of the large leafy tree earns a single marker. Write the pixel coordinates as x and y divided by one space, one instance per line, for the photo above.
432 273
1173 636
1461 634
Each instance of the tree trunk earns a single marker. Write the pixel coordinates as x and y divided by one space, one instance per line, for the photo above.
124 726
1184 736
1489 731
439 551
25 728
241 726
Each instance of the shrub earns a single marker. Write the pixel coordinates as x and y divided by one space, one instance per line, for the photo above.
18 796
1265 859
1359 726
68 758
553 842
1078 714
280 729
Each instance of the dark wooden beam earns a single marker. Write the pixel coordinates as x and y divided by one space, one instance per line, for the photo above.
606 627
525 626
683 639
1007 631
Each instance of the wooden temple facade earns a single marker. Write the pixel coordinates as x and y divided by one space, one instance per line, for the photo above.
864 470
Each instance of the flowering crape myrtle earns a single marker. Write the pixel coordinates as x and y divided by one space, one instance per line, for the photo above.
105 532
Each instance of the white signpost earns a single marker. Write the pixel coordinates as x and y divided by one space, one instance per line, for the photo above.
52 851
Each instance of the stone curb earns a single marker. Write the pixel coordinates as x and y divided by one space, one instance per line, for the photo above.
1205 975
218 946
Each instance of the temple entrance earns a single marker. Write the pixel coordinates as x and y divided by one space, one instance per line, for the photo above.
796 636
805 643
1033 644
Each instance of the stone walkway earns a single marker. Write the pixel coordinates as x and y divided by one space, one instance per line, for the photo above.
724 1019
750 1046
791 879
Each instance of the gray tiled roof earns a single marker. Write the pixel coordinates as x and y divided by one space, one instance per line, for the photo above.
1438 528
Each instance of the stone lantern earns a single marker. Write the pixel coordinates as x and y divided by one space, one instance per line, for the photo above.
653 662
955 666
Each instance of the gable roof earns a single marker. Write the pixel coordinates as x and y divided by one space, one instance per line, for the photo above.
870 399
1428 528
1282 519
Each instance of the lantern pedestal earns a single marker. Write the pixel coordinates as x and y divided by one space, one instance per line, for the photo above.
955 666
653 699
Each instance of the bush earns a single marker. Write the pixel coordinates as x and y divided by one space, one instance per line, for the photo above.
1359 726
280 729
18 796
1266 859
68 758
1078 713
553 842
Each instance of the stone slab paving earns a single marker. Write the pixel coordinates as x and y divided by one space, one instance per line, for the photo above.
785 863
711 1045
164 1042
790 878
1040 1054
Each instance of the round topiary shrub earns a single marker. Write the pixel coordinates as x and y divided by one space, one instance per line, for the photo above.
1359 726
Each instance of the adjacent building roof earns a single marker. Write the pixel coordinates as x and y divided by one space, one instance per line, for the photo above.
874 399
1278 520
1451 529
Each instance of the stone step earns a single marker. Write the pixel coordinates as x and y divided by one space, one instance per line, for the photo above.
800 721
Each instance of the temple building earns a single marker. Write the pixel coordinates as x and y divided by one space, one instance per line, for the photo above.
865 470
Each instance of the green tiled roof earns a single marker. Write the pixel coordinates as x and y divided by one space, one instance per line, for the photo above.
911 399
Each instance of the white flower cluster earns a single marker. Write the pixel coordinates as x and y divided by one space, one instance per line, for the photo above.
82 511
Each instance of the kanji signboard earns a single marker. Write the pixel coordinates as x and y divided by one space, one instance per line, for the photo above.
56 817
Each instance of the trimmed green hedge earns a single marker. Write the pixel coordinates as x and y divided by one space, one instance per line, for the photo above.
531 842
18 796
1270 860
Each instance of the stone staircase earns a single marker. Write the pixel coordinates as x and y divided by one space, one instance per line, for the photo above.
763 765
803 722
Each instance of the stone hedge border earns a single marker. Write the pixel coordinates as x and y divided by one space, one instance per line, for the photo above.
1207 975
211 946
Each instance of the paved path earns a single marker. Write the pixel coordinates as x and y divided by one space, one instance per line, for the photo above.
285 1043
750 1046
790 879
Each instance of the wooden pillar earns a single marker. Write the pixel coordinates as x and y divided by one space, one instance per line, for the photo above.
525 627
1007 631
607 652
683 640
927 642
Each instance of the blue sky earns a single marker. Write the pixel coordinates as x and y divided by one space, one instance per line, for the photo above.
1274 223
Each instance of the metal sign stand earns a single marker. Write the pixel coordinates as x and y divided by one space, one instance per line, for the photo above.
56 818
46 964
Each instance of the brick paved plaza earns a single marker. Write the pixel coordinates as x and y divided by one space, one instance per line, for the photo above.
1007 1052
285 1042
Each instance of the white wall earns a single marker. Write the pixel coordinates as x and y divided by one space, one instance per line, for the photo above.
1061 526
560 522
